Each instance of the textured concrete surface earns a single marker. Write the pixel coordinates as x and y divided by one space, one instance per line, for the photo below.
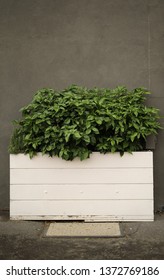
78 229
92 43
26 240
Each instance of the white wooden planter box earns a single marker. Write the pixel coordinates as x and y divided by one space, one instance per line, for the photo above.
102 188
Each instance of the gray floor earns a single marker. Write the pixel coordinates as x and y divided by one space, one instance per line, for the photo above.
27 240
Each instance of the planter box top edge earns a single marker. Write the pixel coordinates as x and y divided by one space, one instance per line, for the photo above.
96 160
93 153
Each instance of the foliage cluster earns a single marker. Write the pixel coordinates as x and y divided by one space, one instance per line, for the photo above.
77 121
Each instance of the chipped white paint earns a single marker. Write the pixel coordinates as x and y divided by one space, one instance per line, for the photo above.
102 188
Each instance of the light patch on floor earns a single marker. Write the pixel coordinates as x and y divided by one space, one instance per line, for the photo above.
78 229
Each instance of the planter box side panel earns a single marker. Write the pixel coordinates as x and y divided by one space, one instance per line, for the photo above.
116 188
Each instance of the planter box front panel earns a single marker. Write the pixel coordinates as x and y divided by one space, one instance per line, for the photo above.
104 187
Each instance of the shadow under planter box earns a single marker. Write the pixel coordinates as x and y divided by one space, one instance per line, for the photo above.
102 188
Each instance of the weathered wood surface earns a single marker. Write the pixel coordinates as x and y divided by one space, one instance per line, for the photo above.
102 188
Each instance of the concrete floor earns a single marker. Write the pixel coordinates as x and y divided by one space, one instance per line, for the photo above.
26 240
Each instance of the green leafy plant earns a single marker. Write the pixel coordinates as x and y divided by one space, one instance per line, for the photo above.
77 121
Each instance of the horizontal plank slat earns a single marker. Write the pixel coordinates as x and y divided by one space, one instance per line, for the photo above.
83 176
97 160
100 191
85 207
86 218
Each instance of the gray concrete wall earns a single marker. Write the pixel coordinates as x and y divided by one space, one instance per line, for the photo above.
54 43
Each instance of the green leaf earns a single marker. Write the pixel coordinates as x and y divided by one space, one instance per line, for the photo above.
136 126
122 129
112 142
77 135
99 121
101 101
67 137
125 144
88 131
84 155
90 118
88 124
35 128
27 137
113 149
61 153
34 145
133 136
86 138
56 108
49 148
95 130
39 121
31 154
93 140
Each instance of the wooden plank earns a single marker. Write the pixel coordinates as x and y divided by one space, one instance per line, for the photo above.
100 191
83 176
86 218
119 218
82 207
96 160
